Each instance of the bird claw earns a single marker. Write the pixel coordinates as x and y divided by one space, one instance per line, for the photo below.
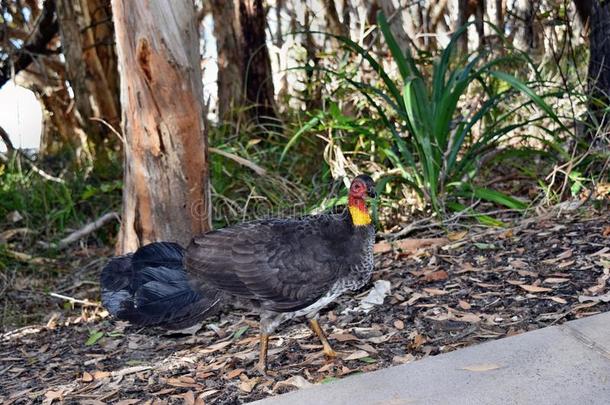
329 352
261 368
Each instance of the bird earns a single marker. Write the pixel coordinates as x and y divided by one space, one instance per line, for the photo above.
284 268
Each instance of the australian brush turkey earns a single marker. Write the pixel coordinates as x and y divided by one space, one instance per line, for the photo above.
284 267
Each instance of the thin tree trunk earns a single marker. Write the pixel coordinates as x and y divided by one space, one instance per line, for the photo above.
463 15
335 26
599 60
479 16
100 57
228 33
528 35
87 44
166 190
596 15
245 83
76 69
397 25
257 65
500 6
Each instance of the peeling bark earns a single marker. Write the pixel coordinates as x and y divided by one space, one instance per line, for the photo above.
166 192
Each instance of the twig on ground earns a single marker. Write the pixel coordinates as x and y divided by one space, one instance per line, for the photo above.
85 303
84 231
240 160
26 258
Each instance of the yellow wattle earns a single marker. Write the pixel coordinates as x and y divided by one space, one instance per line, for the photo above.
359 217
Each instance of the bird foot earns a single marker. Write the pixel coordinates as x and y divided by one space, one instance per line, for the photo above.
329 352
261 368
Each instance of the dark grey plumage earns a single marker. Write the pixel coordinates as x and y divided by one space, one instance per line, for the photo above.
283 265
150 287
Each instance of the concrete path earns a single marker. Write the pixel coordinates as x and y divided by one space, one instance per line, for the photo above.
559 365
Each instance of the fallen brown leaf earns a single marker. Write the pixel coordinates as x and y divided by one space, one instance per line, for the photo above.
436 276
234 373
53 395
343 337
558 300
358 354
518 264
555 280
417 341
184 381
215 347
455 236
248 385
435 291
100 375
295 381
464 305
534 288
407 358
189 398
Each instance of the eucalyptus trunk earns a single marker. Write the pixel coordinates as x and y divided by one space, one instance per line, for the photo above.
166 190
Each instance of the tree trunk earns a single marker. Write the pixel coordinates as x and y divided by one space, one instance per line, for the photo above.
166 190
595 15
76 69
335 26
479 16
245 82
87 44
229 40
397 25
463 15
100 58
598 76
528 32
257 65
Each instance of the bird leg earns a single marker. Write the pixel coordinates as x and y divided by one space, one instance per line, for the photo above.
327 349
262 357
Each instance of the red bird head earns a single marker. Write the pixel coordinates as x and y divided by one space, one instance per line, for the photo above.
362 186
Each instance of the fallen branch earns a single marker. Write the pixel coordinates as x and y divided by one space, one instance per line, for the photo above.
84 231
409 245
26 258
11 233
240 160
85 303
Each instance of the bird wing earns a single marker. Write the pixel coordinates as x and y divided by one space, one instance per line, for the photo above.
284 264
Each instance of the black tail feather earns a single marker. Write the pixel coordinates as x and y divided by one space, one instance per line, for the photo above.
150 287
